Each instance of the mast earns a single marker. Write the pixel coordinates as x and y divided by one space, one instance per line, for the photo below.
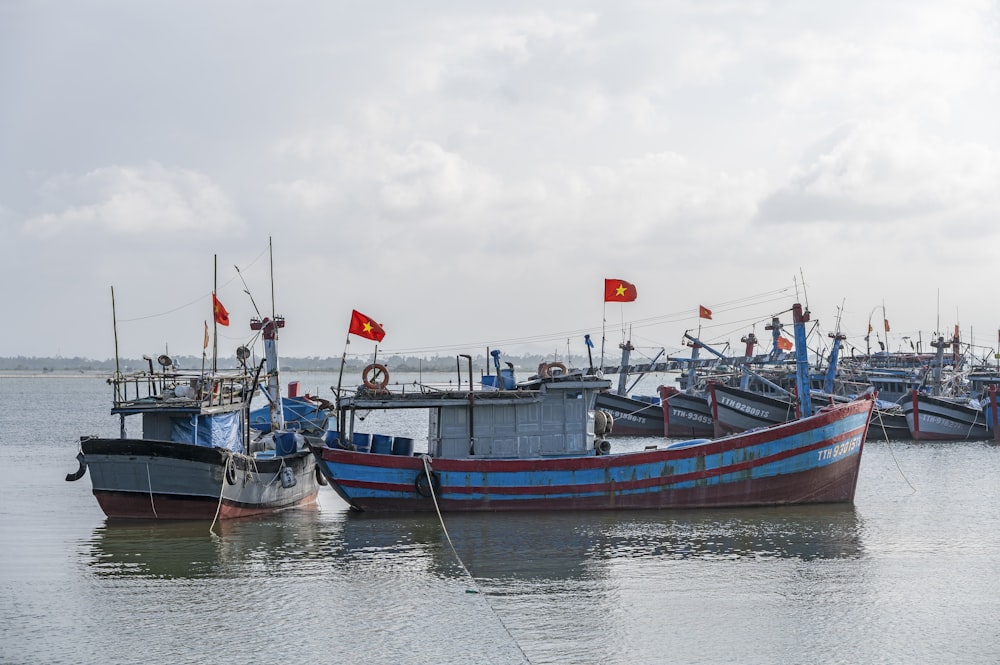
114 325
269 332
775 328
838 338
692 373
799 319
627 349
215 324
750 341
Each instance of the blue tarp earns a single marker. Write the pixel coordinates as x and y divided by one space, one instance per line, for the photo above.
300 413
216 431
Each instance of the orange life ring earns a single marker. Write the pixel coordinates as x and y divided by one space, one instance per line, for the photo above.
375 376
548 367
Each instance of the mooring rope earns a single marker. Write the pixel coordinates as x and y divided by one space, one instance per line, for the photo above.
478 590
644 408
222 488
149 484
892 453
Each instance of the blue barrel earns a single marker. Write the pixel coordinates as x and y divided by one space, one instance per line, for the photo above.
507 381
402 445
362 442
332 439
381 444
284 443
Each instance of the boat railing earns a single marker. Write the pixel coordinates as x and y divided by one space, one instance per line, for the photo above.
209 389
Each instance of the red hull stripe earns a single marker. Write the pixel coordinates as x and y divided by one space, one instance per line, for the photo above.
134 505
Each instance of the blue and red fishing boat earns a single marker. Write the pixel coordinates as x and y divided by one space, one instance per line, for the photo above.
534 447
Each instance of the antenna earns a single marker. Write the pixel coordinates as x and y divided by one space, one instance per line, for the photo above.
938 331
270 253
246 290
805 296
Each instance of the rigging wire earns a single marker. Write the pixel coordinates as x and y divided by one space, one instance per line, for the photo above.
673 317
197 301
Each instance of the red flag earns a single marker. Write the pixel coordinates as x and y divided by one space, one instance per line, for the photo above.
219 312
362 326
618 290
206 336
784 344
886 324
704 312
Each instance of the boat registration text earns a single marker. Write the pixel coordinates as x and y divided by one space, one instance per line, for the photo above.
841 449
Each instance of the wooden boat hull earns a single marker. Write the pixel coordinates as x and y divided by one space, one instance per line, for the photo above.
888 425
688 415
813 460
939 419
632 417
735 410
147 479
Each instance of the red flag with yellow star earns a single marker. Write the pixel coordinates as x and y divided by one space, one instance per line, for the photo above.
219 312
363 326
618 290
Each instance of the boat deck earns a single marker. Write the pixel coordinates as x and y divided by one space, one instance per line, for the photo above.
426 397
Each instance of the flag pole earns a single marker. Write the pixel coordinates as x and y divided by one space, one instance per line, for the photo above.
604 324
204 348
340 378
215 323
114 326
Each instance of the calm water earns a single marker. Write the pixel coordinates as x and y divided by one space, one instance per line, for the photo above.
906 575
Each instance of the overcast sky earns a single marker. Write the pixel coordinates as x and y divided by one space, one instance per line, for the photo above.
468 174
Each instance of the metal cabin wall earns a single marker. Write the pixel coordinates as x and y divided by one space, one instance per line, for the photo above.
156 426
558 425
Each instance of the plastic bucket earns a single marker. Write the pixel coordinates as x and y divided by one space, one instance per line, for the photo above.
381 444
362 442
284 443
332 439
489 382
402 445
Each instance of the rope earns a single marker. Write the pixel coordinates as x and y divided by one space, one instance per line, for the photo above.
892 453
225 471
275 477
644 408
975 421
149 484
427 469
251 469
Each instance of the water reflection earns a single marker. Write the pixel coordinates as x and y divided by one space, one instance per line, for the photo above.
191 550
532 546
569 545
801 532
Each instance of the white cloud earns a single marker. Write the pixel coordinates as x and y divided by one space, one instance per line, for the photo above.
915 58
553 145
131 200
426 177
310 195
890 172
